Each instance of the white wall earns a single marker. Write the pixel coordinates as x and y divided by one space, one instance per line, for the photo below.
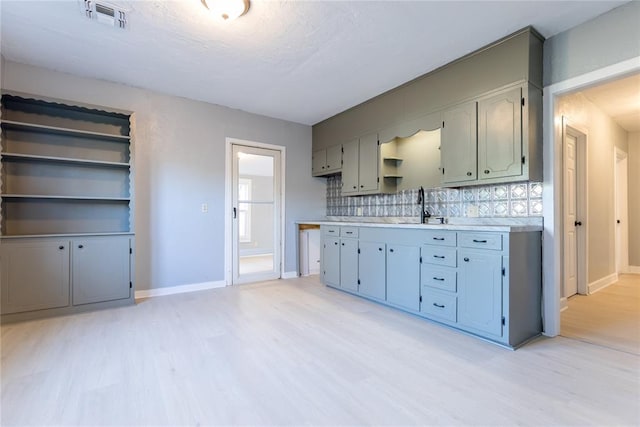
180 164
607 39
634 199
602 135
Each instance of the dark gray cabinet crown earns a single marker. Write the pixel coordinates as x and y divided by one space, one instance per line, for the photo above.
66 207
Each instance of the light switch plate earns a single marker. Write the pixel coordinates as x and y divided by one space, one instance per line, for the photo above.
204 208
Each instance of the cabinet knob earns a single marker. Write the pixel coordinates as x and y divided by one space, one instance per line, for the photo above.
469 174
61 247
362 186
380 249
343 244
390 250
354 187
486 171
466 259
80 246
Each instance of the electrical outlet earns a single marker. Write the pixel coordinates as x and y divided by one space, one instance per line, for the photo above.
472 211
359 211
204 208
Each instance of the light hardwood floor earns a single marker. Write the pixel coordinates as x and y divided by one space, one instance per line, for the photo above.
295 352
610 317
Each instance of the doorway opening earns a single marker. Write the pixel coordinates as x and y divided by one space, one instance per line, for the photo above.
254 220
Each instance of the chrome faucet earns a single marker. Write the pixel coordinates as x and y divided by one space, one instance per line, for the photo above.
424 214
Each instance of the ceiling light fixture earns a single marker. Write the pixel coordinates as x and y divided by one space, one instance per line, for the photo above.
227 10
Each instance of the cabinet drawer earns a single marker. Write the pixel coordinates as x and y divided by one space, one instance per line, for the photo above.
440 305
349 232
481 240
331 230
443 278
440 237
439 256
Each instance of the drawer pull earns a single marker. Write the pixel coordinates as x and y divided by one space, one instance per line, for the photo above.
438 305
439 256
348 232
440 279
479 241
438 238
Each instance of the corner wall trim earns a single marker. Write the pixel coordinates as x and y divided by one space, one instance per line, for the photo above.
158 292
289 274
602 283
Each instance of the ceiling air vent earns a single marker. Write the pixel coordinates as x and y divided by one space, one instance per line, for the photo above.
105 13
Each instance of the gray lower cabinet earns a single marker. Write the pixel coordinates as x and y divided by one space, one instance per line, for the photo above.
97 276
480 291
349 264
485 283
330 259
372 269
44 276
35 274
403 276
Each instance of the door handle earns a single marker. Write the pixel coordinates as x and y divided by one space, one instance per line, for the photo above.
234 213
577 223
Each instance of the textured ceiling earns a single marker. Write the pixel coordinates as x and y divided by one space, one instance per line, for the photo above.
302 61
620 100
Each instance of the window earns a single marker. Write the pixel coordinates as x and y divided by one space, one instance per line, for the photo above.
244 210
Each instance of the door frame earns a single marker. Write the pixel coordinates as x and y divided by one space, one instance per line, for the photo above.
228 202
552 187
582 202
621 247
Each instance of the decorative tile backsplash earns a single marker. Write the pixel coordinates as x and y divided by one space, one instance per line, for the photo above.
502 200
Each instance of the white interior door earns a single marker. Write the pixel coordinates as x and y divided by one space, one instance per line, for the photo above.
256 201
574 210
622 225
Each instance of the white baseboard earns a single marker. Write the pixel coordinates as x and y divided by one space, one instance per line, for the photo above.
633 269
564 304
158 292
602 283
289 274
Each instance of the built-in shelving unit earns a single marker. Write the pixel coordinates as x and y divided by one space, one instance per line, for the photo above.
66 207
65 168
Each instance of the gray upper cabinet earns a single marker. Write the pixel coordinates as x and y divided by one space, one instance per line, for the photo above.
459 144
35 274
515 60
360 166
500 135
326 161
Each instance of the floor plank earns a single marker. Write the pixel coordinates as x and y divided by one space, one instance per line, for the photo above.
610 317
294 352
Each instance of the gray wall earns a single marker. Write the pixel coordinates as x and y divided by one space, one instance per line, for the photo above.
605 40
180 164
633 166
602 135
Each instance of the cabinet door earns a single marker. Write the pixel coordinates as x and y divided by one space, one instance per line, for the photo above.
318 162
403 276
500 135
372 269
35 275
368 163
459 144
334 158
349 264
480 291
331 261
350 167
101 269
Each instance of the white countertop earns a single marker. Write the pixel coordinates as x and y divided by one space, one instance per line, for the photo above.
509 225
